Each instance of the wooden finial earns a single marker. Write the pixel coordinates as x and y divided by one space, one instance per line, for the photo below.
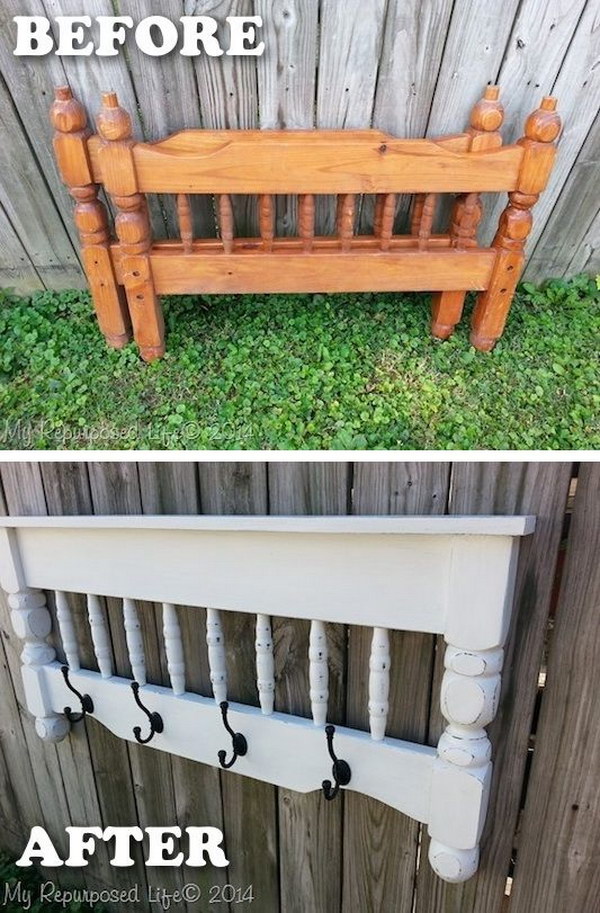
113 121
67 115
488 113
543 125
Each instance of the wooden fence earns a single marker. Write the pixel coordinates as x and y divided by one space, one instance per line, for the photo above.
354 855
410 67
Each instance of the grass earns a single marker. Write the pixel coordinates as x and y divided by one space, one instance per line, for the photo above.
303 372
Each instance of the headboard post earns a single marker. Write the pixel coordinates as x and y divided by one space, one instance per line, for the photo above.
132 225
491 311
68 118
32 624
484 133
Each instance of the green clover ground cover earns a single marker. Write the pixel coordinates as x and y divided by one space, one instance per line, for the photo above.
303 372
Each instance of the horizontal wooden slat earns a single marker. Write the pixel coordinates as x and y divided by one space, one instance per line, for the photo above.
249 272
324 161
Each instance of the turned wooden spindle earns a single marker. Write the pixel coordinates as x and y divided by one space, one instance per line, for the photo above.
266 217
70 145
383 225
306 220
226 223
133 638
64 617
346 210
426 220
132 225
491 310
185 219
484 134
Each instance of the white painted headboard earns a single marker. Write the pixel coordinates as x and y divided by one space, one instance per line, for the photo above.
448 575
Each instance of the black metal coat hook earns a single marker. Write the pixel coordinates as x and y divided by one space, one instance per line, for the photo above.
156 720
340 770
87 704
238 741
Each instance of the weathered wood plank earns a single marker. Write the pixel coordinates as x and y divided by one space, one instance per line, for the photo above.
249 806
168 101
173 488
380 846
557 861
310 828
535 52
286 78
412 49
94 763
562 244
577 87
587 257
349 52
24 494
16 269
29 205
115 488
227 89
505 488
33 78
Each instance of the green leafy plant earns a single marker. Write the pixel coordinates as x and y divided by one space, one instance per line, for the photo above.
303 372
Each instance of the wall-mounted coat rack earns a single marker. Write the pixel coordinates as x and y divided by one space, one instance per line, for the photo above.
447 575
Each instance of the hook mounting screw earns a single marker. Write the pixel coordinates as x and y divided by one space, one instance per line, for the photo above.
87 704
154 718
238 741
340 770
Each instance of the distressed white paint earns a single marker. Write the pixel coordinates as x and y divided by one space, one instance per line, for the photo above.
426 574
173 648
216 655
67 630
379 683
265 664
135 644
318 672
412 566
100 638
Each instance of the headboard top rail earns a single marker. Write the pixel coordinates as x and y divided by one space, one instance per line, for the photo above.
414 526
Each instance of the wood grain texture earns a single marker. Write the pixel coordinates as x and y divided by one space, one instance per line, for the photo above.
173 488
286 77
115 488
249 807
380 845
557 861
16 269
310 828
29 205
541 489
359 271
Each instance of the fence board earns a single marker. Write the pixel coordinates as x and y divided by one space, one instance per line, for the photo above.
249 806
565 231
16 269
557 863
173 488
24 494
350 47
115 489
380 845
310 829
587 257
577 87
25 197
415 33
523 488
286 78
